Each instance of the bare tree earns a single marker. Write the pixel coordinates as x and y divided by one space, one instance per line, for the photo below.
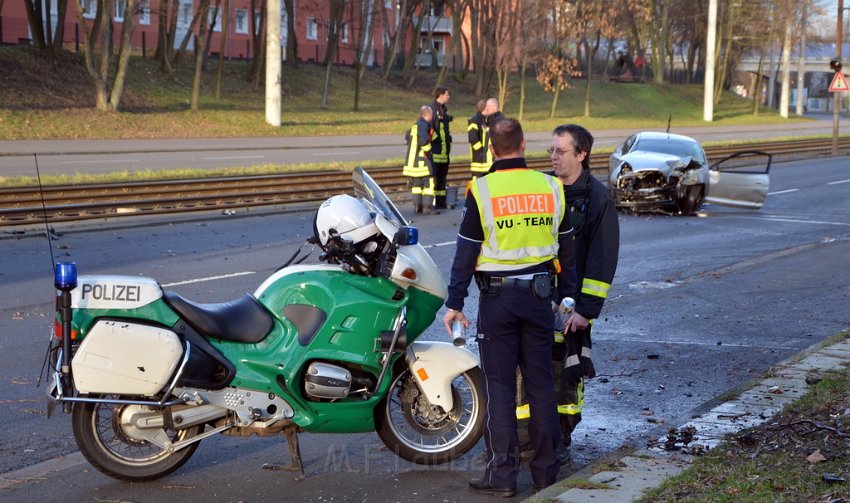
97 52
362 15
335 24
225 26
258 43
291 35
394 39
39 18
458 10
167 28
200 53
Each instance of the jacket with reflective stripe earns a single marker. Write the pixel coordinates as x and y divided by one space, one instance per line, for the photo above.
441 139
418 139
596 239
479 145
521 211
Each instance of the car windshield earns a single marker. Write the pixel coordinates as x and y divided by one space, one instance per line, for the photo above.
680 148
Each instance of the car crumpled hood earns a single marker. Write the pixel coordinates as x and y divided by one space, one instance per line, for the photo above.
665 163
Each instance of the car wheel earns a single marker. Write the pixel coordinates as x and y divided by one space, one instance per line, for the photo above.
689 204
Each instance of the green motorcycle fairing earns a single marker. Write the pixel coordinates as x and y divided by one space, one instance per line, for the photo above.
357 309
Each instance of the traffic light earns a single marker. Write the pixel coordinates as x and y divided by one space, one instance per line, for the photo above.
835 65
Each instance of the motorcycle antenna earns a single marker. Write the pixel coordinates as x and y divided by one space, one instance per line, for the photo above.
669 120
44 211
49 246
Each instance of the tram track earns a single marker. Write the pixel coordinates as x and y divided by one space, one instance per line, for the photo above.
74 202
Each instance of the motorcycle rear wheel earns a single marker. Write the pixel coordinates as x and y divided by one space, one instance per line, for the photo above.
425 434
112 449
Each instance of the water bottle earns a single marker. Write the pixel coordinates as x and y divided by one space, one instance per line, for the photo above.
457 334
563 313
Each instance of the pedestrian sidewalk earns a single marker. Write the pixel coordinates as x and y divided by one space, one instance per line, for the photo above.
643 469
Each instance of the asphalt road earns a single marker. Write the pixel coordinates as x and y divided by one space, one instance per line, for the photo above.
699 307
106 156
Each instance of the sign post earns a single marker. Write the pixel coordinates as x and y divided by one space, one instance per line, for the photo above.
836 99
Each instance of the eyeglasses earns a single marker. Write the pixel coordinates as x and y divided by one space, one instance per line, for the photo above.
559 151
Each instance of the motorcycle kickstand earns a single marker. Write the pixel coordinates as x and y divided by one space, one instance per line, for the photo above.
295 465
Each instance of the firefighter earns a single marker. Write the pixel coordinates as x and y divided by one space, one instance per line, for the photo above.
596 234
418 165
514 238
441 144
479 146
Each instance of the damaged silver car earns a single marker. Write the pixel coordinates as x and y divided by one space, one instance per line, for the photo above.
653 171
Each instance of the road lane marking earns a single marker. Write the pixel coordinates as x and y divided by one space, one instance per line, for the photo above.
210 278
609 335
782 192
797 221
228 157
839 181
38 472
320 154
100 162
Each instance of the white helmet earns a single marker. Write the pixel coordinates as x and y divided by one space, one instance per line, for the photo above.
348 217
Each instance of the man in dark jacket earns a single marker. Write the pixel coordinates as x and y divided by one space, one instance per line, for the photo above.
441 144
596 233
418 165
479 143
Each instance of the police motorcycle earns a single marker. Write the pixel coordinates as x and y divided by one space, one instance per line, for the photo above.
328 348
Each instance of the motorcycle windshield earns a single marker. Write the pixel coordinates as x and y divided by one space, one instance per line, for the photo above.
366 188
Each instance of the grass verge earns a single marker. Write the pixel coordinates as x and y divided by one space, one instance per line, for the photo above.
43 100
800 455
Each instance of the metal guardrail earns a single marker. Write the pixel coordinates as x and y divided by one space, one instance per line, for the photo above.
64 203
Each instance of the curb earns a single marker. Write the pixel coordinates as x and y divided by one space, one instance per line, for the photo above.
639 470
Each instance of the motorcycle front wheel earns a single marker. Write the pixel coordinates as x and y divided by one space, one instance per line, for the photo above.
425 434
108 442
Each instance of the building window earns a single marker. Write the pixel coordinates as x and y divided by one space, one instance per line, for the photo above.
120 11
241 25
185 17
343 37
215 14
145 12
312 29
89 8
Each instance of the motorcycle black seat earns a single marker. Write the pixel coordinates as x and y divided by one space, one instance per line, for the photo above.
242 320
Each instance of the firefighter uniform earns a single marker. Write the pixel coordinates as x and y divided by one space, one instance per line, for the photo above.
441 144
596 234
418 165
479 146
513 237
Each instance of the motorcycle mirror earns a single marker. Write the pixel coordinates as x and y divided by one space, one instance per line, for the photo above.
406 236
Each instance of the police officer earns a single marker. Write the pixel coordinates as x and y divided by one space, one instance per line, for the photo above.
441 144
479 145
418 165
515 239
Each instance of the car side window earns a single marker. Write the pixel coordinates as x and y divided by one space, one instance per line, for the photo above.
627 146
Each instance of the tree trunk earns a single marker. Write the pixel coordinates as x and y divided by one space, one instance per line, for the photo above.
203 10
587 79
189 33
523 66
554 103
801 64
785 98
258 40
59 36
210 31
225 26
396 37
414 47
35 18
291 35
124 50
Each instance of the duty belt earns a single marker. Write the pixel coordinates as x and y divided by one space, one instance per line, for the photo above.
493 285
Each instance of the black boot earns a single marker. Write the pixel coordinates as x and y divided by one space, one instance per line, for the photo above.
430 210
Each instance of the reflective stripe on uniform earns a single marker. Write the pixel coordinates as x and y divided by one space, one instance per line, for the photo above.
523 412
416 165
595 288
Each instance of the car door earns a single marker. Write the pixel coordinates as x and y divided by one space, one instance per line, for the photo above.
740 180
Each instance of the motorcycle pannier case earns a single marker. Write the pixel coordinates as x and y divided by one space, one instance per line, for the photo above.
125 358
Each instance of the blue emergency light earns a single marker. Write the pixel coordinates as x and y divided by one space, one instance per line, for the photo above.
65 276
406 236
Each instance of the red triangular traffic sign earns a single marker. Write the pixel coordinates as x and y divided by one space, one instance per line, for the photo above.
839 83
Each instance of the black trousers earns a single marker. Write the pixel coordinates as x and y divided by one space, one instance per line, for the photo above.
515 330
441 172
